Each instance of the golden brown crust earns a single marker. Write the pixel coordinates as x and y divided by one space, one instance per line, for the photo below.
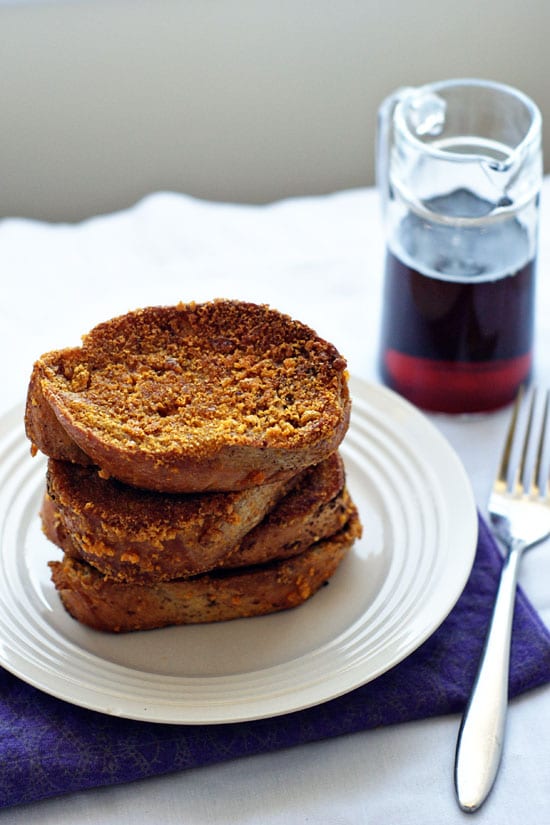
118 607
217 396
142 535
44 429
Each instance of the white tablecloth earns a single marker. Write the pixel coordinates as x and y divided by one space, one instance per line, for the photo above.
318 259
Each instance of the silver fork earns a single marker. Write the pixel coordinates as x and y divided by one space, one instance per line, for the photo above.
519 511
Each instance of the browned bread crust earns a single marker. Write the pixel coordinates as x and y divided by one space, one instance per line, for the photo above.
217 396
138 536
114 606
142 535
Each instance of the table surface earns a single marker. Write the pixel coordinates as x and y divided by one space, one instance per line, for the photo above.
318 259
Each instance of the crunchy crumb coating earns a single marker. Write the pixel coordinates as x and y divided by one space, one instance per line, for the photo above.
198 375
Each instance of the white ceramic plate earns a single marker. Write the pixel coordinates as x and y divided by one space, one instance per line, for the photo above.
392 591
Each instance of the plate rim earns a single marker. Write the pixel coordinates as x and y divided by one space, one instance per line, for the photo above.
383 399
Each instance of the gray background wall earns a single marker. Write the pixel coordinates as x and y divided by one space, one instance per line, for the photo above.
103 101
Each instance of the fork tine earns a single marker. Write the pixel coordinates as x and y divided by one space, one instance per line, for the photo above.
504 468
539 485
519 485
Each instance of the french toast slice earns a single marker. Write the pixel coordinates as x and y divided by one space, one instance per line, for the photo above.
219 396
139 536
108 605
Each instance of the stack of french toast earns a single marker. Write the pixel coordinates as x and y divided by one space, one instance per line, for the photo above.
193 468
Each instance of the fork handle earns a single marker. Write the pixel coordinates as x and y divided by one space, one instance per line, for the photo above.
481 734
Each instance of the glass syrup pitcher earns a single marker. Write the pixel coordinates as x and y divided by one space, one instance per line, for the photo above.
459 167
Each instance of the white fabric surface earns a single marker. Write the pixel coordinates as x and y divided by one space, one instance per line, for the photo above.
320 260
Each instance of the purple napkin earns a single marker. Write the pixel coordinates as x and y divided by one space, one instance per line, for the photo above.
49 747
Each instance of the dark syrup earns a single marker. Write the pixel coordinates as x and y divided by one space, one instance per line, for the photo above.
457 329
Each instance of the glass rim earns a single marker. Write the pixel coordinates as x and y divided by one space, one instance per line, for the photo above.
405 97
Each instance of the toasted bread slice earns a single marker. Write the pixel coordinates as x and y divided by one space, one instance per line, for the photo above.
113 606
132 535
141 535
218 396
